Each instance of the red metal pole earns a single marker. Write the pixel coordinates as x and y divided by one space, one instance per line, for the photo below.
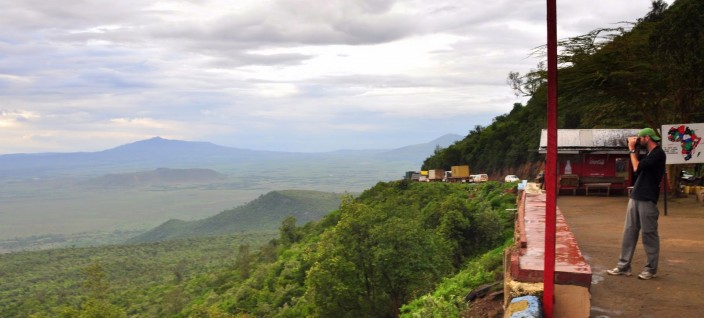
551 164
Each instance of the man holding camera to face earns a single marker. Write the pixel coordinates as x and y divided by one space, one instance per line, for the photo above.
642 211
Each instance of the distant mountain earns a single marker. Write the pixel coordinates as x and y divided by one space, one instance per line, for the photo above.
163 153
141 155
158 176
166 150
263 214
421 151
158 146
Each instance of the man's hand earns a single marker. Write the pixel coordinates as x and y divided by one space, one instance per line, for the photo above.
632 142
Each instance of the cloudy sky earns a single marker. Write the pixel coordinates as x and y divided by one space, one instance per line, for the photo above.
291 75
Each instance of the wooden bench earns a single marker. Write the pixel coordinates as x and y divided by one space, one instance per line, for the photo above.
599 185
602 183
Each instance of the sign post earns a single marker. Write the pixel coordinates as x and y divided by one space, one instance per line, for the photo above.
681 143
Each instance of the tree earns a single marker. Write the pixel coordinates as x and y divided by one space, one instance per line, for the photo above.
95 284
97 304
409 259
373 261
614 83
657 10
288 233
647 75
244 261
341 281
528 84
678 45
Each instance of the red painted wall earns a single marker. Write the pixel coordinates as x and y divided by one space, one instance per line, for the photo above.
595 165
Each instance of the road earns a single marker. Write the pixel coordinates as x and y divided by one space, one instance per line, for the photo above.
678 291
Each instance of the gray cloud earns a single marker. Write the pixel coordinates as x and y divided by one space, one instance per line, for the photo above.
304 75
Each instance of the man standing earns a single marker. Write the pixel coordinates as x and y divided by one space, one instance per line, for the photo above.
642 211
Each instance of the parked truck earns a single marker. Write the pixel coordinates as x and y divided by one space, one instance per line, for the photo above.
412 175
436 174
459 174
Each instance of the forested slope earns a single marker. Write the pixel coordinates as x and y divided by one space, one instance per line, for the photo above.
395 242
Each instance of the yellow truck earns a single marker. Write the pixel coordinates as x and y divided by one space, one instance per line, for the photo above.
459 174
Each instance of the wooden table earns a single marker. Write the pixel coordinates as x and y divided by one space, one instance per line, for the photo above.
601 185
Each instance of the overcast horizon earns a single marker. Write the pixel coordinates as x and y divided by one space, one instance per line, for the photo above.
284 75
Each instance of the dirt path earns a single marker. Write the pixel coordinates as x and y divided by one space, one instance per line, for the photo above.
678 291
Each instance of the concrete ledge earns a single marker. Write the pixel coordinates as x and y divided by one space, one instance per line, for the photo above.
527 263
524 262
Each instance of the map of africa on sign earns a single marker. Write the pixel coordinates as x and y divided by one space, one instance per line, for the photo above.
681 143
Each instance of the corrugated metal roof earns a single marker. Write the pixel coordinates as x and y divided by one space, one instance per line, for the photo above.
576 140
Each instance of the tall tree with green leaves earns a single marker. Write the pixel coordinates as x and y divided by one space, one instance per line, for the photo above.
372 262
678 45
649 74
96 304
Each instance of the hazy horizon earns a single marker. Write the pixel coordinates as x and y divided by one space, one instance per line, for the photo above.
458 137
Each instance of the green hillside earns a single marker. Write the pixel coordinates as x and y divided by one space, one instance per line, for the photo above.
263 214
393 243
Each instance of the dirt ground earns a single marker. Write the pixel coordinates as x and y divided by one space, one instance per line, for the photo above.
678 291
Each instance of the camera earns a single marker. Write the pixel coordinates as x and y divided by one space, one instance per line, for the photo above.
637 146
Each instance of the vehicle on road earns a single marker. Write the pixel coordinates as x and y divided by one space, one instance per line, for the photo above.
686 176
511 178
482 177
459 174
